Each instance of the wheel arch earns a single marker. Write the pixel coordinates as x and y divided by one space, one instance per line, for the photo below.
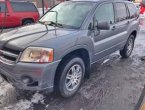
134 33
80 52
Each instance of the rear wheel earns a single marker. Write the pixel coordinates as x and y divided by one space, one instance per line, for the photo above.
127 50
71 77
27 22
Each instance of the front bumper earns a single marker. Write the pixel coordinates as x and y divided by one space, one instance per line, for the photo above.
42 75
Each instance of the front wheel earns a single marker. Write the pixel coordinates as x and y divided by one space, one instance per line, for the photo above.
127 50
71 77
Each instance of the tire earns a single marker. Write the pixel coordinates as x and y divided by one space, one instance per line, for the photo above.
27 22
66 80
128 48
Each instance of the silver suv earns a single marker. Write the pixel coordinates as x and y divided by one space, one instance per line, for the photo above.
56 53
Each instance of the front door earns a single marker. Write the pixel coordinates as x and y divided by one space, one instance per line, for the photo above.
2 14
6 19
109 41
104 40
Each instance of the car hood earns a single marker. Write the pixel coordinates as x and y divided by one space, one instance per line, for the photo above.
27 35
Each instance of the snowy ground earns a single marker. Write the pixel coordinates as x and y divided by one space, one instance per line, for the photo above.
115 84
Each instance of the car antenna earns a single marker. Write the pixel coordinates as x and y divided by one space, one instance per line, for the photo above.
3 21
55 20
46 23
46 26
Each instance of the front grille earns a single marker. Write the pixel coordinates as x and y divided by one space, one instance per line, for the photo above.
9 55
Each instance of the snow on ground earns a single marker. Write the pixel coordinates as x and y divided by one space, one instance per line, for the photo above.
24 104
140 48
8 99
105 61
140 42
7 94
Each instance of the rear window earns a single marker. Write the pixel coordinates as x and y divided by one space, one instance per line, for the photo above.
121 11
23 7
132 10
2 6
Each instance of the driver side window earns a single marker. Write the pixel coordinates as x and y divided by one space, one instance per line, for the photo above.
2 7
105 12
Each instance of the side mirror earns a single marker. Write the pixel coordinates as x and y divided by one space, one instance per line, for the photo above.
103 25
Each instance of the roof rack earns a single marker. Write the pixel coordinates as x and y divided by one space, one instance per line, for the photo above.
97 0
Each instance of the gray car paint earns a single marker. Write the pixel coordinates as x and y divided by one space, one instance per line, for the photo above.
63 42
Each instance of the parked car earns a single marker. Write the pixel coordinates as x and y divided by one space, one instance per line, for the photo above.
142 7
17 13
56 54
142 15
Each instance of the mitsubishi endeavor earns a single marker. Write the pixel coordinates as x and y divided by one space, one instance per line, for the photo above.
56 53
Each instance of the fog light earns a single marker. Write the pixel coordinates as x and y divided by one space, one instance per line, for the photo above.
27 80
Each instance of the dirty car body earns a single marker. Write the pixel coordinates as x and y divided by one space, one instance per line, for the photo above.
63 40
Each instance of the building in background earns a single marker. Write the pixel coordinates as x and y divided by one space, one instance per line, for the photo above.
48 3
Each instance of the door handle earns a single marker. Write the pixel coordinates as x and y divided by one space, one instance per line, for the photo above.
8 15
114 27
127 22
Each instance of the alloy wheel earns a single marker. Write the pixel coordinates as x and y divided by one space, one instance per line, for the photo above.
73 77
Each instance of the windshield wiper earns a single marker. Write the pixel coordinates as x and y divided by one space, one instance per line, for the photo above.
51 23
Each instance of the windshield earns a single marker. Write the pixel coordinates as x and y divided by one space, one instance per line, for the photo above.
70 14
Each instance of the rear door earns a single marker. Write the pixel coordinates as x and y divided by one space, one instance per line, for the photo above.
122 23
133 12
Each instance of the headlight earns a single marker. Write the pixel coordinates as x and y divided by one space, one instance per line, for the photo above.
37 54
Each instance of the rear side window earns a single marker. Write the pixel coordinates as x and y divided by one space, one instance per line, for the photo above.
105 12
132 10
23 7
2 6
121 12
